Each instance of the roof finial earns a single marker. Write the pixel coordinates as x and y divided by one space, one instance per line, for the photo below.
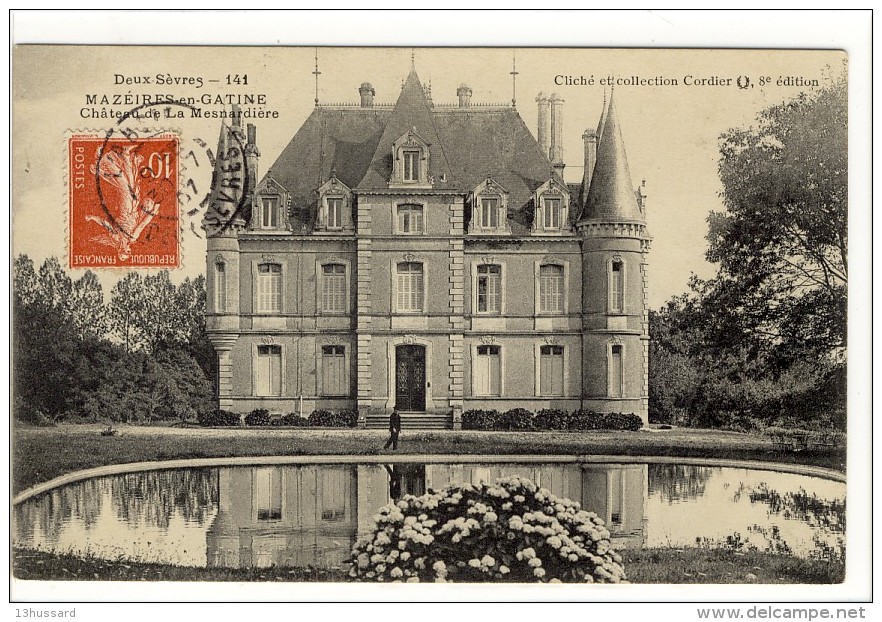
316 73
412 59
514 77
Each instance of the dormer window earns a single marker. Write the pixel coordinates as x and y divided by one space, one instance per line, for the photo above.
552 201
489 213
269 213
334 206
411 159
489 209
410 162
551 216
270 207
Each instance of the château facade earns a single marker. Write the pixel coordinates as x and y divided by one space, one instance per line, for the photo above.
430 256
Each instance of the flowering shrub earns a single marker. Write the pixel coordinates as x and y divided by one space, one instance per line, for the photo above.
508 532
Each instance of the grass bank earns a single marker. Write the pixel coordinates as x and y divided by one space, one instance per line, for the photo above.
40 454
690 565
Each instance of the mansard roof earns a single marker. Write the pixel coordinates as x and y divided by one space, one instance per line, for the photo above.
611 195
465 147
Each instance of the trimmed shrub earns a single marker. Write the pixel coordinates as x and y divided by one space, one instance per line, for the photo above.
294 420
479 419
328 419
582 420
622 421
258 417
349 416
508 532
217 418
552 419
515 419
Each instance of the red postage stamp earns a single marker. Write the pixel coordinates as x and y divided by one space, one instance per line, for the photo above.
124 201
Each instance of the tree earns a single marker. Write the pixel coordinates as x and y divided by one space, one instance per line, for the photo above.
127 307
782 243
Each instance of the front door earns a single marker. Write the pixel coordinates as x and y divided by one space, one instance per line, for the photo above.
410 378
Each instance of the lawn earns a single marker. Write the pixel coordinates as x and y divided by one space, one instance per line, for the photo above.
40 454
689 565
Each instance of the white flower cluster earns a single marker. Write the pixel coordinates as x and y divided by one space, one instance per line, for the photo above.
511 531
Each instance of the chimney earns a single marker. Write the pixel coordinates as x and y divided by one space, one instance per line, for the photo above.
590 139
544 125
556 102
366 90
465 96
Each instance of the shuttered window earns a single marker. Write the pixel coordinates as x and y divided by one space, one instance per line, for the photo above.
616 373
551 370
489 289
410 287
617 287
488 371
334 377
269 371
334 288
269 288
551 289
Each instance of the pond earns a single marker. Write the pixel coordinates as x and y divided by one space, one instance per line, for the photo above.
311 515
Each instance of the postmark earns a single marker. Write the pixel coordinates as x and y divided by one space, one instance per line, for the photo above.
123 200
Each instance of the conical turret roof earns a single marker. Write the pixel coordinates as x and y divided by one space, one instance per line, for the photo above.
611 195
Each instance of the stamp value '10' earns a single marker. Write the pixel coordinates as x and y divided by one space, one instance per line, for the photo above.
123 201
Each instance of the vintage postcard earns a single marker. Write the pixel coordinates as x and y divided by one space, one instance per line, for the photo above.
339 316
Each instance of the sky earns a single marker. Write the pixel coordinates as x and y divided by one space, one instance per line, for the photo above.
671 131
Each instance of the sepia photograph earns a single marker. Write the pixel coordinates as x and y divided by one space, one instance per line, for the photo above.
329 316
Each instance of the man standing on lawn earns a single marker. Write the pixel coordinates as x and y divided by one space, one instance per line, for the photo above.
394 429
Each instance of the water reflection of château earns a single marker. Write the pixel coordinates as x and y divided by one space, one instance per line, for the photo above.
300 516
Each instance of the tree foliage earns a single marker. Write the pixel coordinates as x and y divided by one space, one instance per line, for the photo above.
763 341
130 359
781 245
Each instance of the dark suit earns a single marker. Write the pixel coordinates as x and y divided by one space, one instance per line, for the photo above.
394 429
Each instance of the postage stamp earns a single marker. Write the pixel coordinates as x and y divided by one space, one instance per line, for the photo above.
123 201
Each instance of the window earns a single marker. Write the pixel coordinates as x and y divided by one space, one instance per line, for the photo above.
410 219
220 287
268 493
334 288
411 164
552 213
489 287
489 213
269 213
616 373
334 371
268 380
410 287
488 369
335 213
269 288
551 293
617 287
551 370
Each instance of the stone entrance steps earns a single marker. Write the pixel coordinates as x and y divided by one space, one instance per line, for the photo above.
412 421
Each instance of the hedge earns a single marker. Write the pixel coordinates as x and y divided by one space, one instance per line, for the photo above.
520 419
